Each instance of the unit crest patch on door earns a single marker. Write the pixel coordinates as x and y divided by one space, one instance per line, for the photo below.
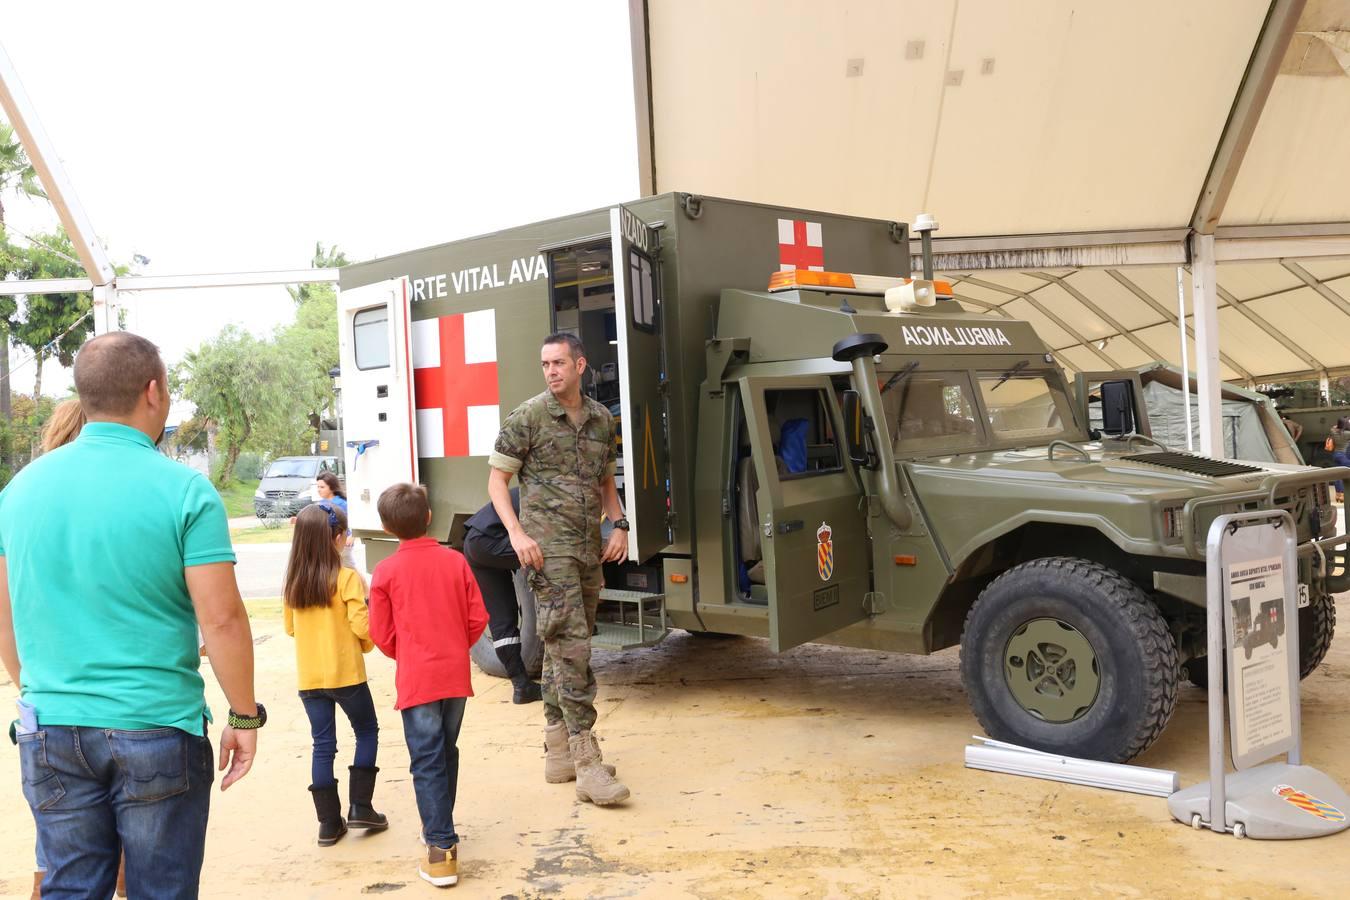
824 551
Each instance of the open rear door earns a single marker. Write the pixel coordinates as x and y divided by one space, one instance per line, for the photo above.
379 423
817 556
637 311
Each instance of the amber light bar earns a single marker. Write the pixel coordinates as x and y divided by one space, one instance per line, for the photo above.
844 282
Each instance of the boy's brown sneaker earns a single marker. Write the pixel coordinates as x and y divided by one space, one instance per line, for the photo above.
441 867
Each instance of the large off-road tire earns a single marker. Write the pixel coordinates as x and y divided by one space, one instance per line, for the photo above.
1068 656
531 647
1316 626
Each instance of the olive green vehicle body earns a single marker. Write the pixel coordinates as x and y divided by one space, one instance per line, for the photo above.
972 512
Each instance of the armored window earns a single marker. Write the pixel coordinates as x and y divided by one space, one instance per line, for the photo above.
1023 407
370 336
641 278
931 412
803 433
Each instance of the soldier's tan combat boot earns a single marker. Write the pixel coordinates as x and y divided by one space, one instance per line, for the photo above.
595 783
558 765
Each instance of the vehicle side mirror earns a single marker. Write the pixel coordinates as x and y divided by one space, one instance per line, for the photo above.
1117 407
855 431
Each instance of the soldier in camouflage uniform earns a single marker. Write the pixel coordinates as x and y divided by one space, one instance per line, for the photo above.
561 444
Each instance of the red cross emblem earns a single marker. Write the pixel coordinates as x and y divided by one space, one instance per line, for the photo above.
800 245
455 384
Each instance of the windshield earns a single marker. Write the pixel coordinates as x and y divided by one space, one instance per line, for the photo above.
292 468
930 412
1023 406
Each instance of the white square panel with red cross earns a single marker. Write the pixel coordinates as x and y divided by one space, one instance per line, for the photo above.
454 362
800 245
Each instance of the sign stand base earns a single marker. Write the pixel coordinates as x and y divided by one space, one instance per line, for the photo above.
1275 802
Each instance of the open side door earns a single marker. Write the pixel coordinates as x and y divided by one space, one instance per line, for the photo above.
816 550
379 421
637 310
1086 389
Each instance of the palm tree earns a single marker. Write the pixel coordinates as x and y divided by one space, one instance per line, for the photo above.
16 174
324 258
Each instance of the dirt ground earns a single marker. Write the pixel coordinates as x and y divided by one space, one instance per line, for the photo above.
823 772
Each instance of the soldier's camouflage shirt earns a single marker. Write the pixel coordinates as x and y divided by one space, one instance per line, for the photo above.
560 469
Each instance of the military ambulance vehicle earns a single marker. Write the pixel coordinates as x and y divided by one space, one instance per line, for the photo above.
817 447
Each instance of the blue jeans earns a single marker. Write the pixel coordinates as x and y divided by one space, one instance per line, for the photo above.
96 792
431 731
1340 459
359 708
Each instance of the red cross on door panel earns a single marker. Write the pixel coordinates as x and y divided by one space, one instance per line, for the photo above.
455 384
800 245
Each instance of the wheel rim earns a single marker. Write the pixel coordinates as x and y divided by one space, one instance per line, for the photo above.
1051 670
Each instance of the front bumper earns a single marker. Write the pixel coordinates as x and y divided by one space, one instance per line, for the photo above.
1200 512
278 509
1330 561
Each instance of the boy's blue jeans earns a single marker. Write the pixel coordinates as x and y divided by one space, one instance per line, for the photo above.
359 708
432 732
97 791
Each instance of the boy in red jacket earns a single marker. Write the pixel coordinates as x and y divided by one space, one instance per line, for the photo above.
425 613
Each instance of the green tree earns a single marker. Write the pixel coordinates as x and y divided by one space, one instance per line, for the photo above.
16 175
243 386
21 437
311 342
46 328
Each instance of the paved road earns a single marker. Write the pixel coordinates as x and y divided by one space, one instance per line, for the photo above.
261 568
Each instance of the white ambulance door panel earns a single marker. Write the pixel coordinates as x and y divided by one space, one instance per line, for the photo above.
379 425
637 311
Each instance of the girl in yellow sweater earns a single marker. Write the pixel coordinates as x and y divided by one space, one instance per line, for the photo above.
326 614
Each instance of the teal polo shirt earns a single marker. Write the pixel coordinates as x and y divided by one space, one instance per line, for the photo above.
96 535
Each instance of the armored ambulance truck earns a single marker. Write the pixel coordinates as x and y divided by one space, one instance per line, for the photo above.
816 447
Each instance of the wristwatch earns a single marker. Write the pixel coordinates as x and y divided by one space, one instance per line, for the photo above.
248 723
622 524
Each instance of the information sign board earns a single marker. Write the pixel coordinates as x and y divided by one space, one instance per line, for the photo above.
1261 667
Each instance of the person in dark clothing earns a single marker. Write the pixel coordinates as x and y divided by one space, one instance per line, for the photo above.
487 547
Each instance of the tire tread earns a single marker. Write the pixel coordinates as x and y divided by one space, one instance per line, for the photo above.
1144 621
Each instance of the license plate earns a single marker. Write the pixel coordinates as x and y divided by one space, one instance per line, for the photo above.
1303 598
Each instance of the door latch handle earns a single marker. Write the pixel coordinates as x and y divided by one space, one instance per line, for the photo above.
790 526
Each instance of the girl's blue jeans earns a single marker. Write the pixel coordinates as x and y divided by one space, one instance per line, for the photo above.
359 707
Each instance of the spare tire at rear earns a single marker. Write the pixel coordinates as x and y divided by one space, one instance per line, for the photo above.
1068 656
531 647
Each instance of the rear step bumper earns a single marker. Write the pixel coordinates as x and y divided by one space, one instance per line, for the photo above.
642 621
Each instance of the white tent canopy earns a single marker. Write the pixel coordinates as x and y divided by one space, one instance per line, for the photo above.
1070 150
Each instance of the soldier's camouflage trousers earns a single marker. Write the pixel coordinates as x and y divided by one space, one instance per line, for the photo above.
566 593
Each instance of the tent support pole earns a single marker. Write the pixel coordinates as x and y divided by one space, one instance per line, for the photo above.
1205 305
1185 356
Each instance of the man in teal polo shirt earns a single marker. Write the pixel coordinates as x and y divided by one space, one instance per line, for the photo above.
111 556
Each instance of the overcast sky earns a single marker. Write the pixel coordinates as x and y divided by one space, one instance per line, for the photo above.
232 137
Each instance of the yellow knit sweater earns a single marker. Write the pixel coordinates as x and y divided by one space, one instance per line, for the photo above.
330 640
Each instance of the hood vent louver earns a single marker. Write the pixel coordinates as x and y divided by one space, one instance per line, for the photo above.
1196 465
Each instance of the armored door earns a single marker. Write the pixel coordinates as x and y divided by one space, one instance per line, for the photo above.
811 516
